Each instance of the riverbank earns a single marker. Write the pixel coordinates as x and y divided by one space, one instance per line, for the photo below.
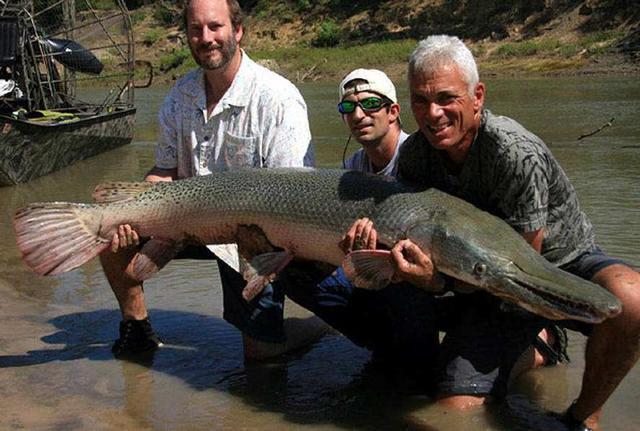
307 64
323 41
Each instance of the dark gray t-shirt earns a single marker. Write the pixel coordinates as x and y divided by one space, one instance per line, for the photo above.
510 173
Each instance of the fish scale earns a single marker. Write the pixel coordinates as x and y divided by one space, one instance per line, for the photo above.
304 213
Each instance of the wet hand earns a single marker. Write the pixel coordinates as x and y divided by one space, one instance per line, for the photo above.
415 266
125 237
361 236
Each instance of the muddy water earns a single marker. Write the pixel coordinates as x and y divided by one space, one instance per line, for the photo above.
57 372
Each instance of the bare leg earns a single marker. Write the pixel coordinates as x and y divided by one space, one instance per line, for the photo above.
613 347
462 402
128 292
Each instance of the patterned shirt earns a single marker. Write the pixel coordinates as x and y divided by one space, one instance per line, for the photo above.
261 121
510 173
359 161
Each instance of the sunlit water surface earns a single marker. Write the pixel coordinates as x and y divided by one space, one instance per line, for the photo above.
57 372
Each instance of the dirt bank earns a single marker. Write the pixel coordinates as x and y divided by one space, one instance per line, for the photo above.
309 41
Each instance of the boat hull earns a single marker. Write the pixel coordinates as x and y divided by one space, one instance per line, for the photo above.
29 150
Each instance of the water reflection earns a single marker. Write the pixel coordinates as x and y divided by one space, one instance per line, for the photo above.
55 333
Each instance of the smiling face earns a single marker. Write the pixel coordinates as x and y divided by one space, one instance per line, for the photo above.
445 112
368 128
213 40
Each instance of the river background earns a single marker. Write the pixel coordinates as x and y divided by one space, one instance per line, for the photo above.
57 371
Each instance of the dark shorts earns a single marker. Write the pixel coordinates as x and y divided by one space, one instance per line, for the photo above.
484 338
262 317
586 266
396 323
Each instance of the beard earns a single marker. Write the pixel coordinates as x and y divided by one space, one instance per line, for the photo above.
227 50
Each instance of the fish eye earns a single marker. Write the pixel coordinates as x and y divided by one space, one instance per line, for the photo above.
479 268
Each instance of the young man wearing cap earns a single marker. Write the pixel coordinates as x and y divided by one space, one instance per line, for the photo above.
394 323
370 109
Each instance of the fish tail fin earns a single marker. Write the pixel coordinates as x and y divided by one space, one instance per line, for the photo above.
58 237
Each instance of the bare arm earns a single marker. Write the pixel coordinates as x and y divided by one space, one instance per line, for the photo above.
159 174
415 266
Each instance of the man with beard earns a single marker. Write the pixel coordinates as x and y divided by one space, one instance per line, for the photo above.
229 113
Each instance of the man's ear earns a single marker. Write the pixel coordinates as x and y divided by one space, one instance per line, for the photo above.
478 100
239 33
394 112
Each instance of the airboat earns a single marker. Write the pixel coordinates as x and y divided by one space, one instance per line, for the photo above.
66 84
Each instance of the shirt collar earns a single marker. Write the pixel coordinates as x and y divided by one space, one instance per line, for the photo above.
239 92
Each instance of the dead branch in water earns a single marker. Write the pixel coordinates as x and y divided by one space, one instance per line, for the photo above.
599 129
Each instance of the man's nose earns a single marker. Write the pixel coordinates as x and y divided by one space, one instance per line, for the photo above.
434 110
359 112
206 35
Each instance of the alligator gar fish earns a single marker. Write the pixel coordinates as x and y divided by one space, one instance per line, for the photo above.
275 215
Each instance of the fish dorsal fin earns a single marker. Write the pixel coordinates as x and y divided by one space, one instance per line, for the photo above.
106 193
369 269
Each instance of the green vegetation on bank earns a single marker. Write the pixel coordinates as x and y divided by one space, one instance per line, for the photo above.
324 61
296 62
591 44
303 62
321 40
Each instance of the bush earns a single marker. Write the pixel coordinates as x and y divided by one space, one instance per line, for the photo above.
164 15
516 50
174 59
303 5
329 34
136 17
152 36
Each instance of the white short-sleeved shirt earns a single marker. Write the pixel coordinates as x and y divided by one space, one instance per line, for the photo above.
261 121
359 161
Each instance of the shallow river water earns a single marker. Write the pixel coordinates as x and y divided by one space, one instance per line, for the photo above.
57 371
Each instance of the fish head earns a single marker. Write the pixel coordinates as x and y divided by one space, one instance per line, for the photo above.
488 254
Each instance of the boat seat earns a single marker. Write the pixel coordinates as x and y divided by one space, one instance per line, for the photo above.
8 40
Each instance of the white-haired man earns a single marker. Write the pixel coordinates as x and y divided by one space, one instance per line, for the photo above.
499 166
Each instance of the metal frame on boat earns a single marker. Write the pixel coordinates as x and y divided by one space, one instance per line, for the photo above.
51 53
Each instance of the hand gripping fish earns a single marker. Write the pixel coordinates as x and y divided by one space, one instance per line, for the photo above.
275 215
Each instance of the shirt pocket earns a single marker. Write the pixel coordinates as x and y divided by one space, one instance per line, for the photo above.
238 151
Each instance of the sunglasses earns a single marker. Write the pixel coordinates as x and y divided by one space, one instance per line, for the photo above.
370 104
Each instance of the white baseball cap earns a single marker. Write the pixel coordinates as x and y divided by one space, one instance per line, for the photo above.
376 81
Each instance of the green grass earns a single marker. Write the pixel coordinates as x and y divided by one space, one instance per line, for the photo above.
591 43
177 60
152 35
136 16
338 60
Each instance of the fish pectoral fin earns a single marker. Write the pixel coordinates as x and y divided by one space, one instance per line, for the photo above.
262 270
117 192
153 256
369 269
